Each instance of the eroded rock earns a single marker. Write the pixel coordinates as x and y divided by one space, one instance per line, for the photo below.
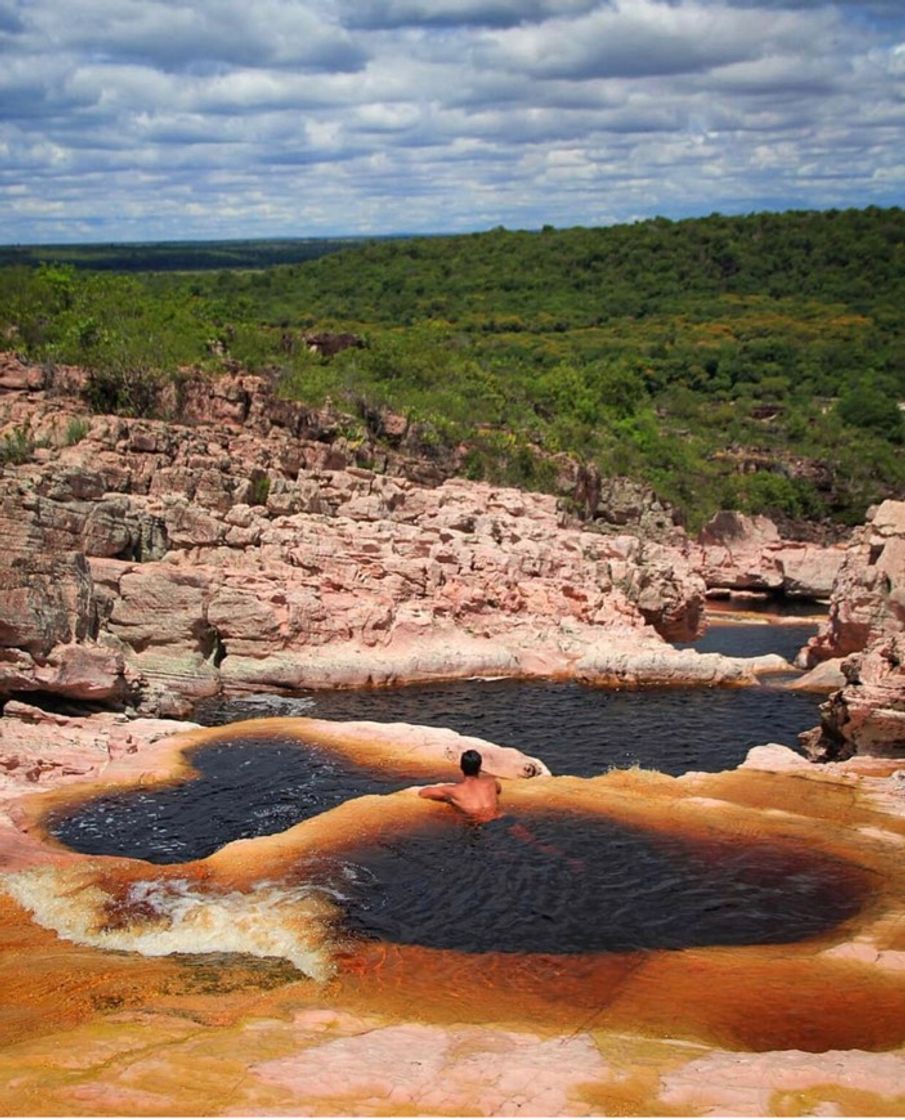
867 715
868 597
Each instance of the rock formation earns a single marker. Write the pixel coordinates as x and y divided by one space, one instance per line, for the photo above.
153 562
735 552
868 597
866 626
867 715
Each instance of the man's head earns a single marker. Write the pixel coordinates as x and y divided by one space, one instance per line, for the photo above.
470 763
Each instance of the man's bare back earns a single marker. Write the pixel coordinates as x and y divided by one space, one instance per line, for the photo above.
477 795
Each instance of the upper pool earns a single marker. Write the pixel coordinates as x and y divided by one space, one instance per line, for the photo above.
575 729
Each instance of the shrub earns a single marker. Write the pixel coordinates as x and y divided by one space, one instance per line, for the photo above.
122 391
16 446
260 489
76 430
873 407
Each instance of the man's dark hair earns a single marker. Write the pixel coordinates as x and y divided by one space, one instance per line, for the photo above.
471 763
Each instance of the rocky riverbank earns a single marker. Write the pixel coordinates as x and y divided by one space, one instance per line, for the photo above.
212 987
245 545
864 640
149 563
241 544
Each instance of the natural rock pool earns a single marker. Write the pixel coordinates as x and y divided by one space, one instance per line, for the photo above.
244 788
578 883
575 729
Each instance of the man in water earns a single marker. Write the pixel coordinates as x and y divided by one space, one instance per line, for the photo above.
477 795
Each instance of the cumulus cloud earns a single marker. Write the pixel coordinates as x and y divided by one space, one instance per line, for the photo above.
189 118
373 14
175 35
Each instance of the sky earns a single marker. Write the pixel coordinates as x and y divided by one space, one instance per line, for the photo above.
125 120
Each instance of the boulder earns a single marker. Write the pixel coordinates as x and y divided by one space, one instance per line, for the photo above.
866 716
737 553
16 375
868 596
731 529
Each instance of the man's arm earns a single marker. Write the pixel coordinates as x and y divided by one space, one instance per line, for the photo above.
436 793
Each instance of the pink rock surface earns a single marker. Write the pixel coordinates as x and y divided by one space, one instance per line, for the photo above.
868 597
41 749
241 551
729 1084
450 1071
741 553
867 715
825 677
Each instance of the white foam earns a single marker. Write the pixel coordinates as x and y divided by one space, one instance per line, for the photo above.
175 916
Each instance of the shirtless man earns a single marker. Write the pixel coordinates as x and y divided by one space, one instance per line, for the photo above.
477 795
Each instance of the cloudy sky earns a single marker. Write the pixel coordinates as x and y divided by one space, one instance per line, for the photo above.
174 119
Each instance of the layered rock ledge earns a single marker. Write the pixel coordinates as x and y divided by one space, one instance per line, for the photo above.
864 639
737 553
151 563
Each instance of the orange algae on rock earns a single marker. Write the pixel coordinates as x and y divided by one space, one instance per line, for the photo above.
636 1020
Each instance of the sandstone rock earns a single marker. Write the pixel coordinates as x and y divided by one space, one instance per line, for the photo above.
733 1084
620 503
247 548
46 596
775 759
867 716
83 672
670 596
868 597
16 375
808 571
739 553
45 749
731 528
827 676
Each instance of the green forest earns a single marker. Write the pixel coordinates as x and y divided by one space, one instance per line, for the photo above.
752 362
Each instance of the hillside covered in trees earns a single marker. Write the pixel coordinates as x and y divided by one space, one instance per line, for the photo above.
753 362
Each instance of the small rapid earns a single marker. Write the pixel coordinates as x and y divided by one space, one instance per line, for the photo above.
160 916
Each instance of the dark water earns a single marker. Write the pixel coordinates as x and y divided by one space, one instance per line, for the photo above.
245 789
753 640
575 729
563 884
250 789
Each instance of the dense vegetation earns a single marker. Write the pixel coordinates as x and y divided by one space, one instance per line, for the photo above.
141 256
754 362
